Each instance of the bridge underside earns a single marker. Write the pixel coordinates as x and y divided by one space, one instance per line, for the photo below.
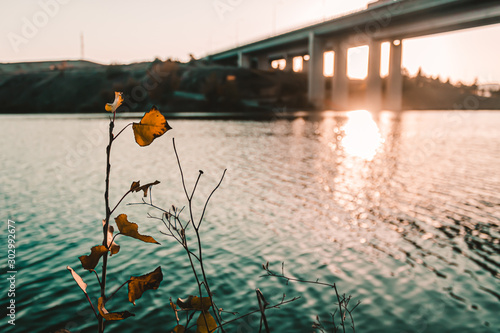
385 23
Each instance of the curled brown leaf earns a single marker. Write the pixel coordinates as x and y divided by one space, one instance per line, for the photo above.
139 284
111 315
136 187
90 262
131 229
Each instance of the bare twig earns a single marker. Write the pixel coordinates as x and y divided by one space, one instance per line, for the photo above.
342 302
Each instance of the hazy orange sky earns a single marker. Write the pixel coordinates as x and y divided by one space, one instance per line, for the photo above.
127 31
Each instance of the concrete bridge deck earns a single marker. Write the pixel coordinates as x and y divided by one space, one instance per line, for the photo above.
382 21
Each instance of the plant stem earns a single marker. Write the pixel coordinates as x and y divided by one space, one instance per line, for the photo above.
106 224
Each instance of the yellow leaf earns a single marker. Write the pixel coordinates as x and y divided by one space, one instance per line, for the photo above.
139 284
131 229
179 329
90 262
78 279
204 305
193 303
111 107
112 246
205 323
152 125
111 315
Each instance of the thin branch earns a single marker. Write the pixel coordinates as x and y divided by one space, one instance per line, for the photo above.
121 131
208 199
120 287
195 184
342 303
123 197
276 306
97 276
282 276
113 239
182 174
92 305
262 307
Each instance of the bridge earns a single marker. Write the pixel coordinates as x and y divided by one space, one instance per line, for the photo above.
383 21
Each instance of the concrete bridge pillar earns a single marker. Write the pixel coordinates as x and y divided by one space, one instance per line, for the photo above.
289 63
305 63
340 81
263 63
374 81
316 79
243 60
394 90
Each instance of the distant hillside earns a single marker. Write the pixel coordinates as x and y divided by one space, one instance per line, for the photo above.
68 87
84 87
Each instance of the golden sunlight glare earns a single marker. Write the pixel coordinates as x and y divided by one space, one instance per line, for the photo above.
298 64
362 136
357 64
328 59
278 64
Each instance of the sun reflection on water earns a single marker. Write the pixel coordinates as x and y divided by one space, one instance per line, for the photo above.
361 135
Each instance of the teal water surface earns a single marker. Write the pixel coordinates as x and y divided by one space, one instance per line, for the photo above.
401 211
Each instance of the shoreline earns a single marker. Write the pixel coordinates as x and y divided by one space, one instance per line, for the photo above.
199 115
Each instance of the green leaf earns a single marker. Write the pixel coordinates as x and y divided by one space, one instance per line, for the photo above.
139 284
90 262
131 229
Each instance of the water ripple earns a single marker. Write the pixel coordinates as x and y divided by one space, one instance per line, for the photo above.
411 228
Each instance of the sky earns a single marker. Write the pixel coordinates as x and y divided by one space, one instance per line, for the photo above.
125 31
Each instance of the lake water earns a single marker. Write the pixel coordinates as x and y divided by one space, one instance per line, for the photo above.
401 211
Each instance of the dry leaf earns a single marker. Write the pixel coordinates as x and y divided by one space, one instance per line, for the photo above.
111 107
205 323
139 284
114 248
179 329
193 303
90 262
112 315
152 125
136 187
78 279
131 229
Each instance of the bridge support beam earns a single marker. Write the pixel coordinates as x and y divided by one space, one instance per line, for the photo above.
394 89
374 81
243 60
289 63
263 63
340 81
316 79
